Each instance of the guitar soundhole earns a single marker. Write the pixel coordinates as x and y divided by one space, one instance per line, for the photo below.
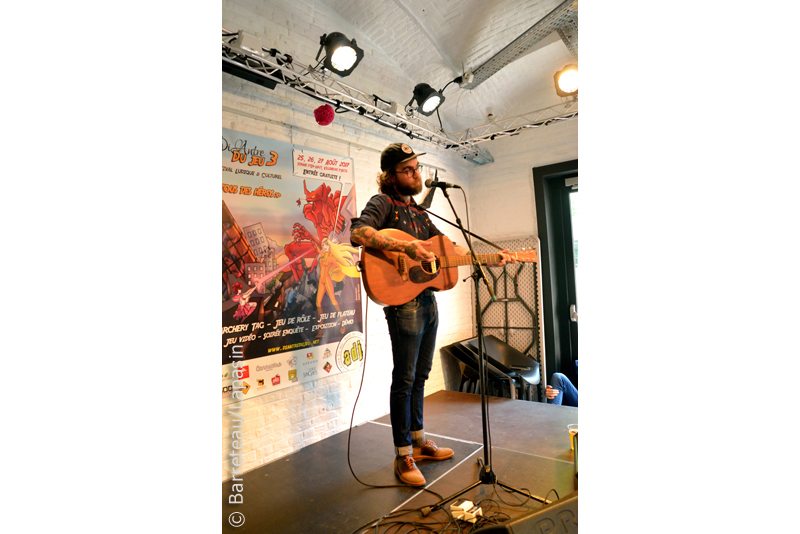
424 272
430 267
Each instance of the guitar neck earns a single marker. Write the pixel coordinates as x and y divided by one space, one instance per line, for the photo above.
457 261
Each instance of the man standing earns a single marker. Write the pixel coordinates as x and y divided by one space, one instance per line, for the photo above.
412 326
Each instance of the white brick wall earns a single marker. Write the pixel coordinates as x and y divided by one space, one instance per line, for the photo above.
502 194
500 197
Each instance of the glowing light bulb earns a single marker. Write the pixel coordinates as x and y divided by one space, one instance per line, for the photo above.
343 58
431 104
568 81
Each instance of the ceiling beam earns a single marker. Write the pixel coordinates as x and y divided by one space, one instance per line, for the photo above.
560 17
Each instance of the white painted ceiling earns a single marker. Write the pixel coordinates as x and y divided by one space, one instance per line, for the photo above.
436 41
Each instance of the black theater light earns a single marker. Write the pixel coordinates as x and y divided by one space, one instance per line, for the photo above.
428 99
567 81
342 55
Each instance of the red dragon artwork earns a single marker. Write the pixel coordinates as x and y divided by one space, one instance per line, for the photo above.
321 209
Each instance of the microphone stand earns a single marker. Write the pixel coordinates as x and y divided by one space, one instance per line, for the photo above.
427 200
487 475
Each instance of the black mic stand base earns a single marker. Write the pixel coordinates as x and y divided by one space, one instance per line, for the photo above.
486 476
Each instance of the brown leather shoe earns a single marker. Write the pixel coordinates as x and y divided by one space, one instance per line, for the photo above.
430 451
408 472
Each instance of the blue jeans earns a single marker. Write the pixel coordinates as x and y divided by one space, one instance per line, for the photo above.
568 395
412 328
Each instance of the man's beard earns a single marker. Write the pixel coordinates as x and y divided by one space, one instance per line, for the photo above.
408 190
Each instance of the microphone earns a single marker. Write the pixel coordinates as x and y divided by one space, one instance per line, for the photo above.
441 185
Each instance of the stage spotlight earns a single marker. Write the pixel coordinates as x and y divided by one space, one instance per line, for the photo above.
428 99
567 81
341 54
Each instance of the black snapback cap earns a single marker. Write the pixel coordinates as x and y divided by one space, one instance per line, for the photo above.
397 153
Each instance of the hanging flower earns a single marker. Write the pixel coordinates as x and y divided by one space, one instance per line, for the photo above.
324 115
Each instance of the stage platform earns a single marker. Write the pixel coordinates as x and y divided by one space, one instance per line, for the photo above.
313 491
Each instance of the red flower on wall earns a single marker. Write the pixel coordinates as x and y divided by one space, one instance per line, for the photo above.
324 115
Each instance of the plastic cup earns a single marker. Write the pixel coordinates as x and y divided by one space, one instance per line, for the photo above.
573 431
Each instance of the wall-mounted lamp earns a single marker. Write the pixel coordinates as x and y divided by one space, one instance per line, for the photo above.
342 55
567 81
428 99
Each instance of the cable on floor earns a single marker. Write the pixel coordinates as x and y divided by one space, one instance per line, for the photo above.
352 417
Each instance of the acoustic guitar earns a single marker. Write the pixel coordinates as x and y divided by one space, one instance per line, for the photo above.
393 278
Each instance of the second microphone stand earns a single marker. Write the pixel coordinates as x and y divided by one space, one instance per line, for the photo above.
487 475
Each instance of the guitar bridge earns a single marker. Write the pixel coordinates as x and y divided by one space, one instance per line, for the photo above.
403 268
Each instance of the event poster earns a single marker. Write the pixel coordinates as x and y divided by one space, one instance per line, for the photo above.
291 291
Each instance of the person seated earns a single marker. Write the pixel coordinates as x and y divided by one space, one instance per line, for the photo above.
561 391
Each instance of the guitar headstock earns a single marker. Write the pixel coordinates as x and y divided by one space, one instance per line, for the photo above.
526 256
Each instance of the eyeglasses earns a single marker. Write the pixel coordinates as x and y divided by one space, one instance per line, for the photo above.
410 171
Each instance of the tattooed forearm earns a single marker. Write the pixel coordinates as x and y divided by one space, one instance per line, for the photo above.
370 237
